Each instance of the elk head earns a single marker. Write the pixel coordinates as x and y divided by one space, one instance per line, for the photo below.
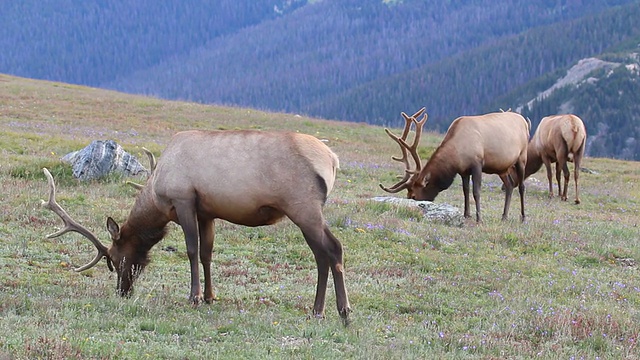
416 183
128 262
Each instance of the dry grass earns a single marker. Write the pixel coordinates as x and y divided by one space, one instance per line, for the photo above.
565 284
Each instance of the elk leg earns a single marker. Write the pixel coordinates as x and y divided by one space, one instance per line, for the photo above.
576 173
562 169
547 165
465 191
337 269
187 219
328 253
520 169
559 181
507 186
476 177
565 173
206 253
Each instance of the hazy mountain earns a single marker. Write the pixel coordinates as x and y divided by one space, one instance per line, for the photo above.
355 60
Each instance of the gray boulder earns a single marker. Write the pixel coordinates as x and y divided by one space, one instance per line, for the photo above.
444 213
101 158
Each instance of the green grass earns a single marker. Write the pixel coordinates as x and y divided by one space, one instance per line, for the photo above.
564 284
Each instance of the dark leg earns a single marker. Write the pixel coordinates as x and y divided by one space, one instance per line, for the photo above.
565 173
562 154
187 218
465 191
507 186
577 158
476 177
337 269
558 179
327 251
520 168
547 165
206 252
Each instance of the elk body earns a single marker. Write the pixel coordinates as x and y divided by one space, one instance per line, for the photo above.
246 177
491 143
557 139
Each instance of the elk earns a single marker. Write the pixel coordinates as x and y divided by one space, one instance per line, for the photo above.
559 139
246 177
491 143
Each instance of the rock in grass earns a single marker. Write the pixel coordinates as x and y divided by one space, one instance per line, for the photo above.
440 212
101 158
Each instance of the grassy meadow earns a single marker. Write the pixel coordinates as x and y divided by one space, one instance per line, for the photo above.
565 284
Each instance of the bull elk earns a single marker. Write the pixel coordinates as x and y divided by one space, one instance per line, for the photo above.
557 139
246 177
491 143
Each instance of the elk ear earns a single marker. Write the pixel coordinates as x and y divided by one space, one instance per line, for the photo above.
113 229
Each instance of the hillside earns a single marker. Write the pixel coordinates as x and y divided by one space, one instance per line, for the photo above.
563 284
603 90
353 60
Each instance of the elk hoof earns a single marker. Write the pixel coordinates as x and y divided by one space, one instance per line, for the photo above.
577 201
344 314
196 299
318 314
210 299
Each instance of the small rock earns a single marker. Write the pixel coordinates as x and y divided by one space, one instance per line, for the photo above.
447 214
100 158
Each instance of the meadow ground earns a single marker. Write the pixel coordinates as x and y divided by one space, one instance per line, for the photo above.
564 284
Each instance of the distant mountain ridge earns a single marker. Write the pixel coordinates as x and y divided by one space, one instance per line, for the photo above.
606 94
354 60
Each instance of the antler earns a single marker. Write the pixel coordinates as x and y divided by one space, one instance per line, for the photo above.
403 183
71 225
152 160
152 168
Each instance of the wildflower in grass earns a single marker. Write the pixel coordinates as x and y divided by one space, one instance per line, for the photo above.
370 226
496 294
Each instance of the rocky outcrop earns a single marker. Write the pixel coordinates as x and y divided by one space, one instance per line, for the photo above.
101 158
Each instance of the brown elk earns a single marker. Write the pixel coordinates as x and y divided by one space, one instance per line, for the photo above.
490 143
246 177
557 139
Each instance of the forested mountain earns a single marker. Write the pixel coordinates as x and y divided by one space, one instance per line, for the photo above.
93 42
354 60
606 94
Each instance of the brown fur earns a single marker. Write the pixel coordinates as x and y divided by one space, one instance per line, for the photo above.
246 177
491 143
557 139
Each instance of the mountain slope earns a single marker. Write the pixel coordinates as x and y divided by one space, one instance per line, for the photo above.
337 59
355 60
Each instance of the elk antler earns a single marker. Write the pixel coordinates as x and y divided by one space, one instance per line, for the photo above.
152 160
152 168
71 225
403 183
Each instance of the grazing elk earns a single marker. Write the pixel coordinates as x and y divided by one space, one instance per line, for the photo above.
246 177
557 139
491 143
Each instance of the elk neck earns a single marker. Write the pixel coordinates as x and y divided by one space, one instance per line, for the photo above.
146 224
442 169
